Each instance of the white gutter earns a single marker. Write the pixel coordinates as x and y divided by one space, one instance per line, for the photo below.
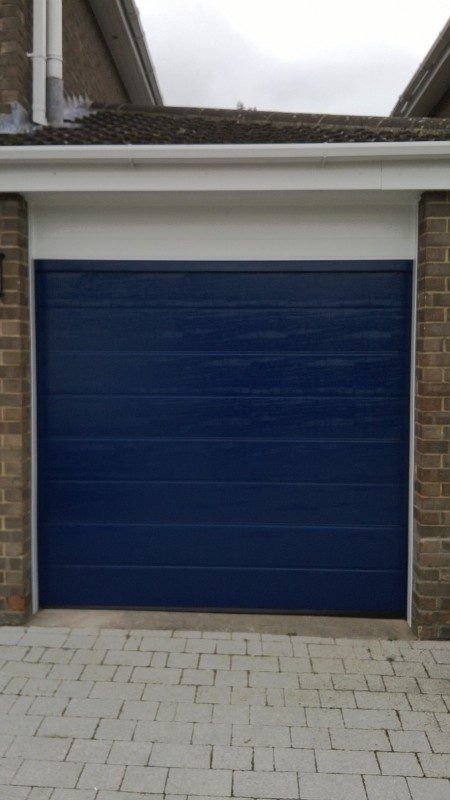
39 59
55 91
396 166
224 154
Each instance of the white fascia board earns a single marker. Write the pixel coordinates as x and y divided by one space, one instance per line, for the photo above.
386 166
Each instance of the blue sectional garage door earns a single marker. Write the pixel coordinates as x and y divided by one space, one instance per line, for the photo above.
224 435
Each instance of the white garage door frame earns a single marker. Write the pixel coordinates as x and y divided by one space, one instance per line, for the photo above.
303 226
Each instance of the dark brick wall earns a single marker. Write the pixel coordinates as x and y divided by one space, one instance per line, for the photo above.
431 580
15 43
88 66
15 441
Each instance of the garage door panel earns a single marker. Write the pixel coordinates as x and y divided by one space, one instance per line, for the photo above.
305 590
312 546
216 503
229 376
228 435
222 289
223 460
226 418
127 330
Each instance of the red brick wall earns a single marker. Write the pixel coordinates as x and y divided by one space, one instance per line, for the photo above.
15 43
431 586
15 444
88 66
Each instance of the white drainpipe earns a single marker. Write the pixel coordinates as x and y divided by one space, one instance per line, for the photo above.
39 60
55 91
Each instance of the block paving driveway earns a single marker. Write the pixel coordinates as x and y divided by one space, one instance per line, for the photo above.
126 715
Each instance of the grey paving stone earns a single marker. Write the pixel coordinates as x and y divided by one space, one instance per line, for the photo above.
89 751
197 677
101 776
48 706
429 788
310 738
292 759
171 732
139 710
395 701
194 712
19 725
324 717
266 785
231 678
130 753
78 689
337 699
418 721
434 765
440 742
399 764
307 698
73 794
383 787
255 697
344 739
263 715
409 742
232 757
39 748
116 729
360 718
180 755
331 787
261 735
8 768
231 714
207 733
54 774
201 782
214 694
68 727
169 694
263 759
350 762
94 708
163 644
144 779
14 792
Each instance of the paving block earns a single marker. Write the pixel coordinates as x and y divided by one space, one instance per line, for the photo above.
266 785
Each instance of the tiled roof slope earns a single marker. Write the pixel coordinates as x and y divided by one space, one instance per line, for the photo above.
165 125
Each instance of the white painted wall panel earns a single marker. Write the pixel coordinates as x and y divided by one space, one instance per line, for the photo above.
222 229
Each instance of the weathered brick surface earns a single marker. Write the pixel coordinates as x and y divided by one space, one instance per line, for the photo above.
15 43
15 560
88 66
431 587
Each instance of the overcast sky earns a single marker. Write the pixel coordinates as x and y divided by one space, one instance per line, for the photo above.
335 56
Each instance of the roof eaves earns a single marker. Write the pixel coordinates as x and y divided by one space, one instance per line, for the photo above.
120 23
429 82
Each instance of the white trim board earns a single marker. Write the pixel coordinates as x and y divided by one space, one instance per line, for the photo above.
226 227
146 228
400 166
